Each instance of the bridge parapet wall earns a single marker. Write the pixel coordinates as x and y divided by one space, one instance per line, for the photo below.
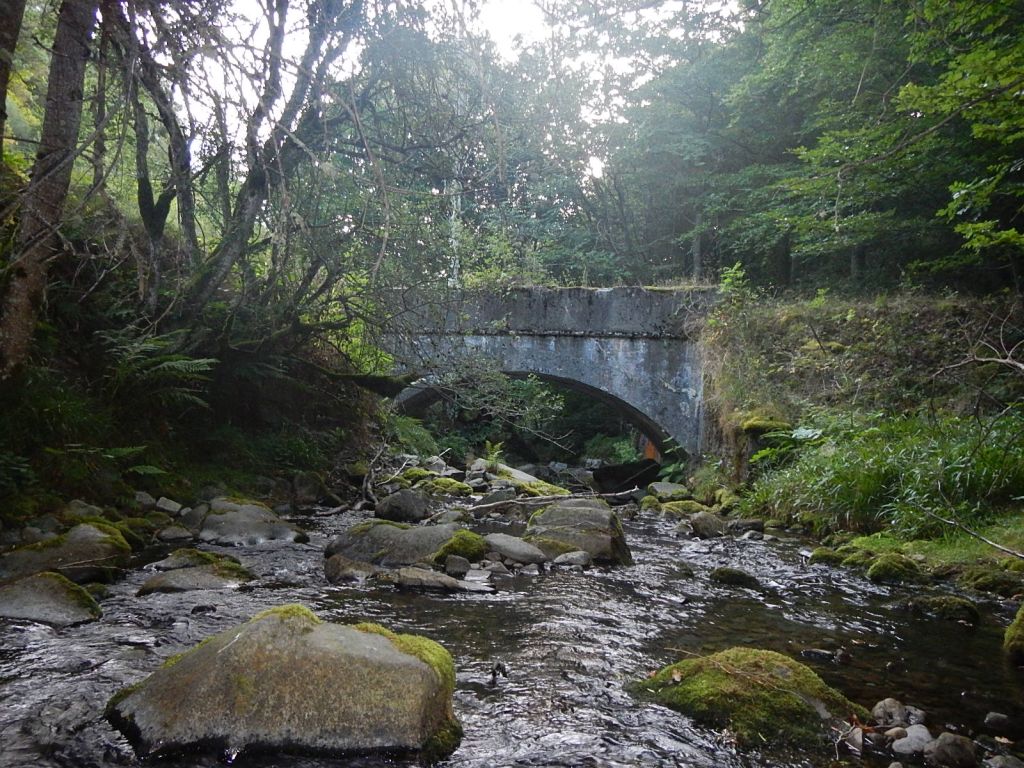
594 312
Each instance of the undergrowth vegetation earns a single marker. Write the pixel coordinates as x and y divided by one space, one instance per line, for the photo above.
881 415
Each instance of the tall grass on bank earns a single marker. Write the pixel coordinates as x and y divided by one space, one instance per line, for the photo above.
872 472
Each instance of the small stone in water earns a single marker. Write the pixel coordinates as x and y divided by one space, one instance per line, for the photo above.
998 722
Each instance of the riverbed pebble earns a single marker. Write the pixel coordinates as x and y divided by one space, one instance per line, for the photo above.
913 744
950 750
997 722
890 711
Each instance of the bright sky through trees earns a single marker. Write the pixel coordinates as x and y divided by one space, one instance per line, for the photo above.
505 20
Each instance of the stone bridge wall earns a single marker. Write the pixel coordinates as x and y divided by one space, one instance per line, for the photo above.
629 347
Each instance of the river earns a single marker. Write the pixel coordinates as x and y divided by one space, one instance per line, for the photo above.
569 641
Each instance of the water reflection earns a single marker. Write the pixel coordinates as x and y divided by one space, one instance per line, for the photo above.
568 641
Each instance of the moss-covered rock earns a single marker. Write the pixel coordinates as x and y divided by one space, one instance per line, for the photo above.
855 557
391 544
538 488
415 475
683 508
235 523
287 680
992 578
734 577
664 491
762 697
444 486
1013 639
894 568
88 552
650 504
726 499
827 556
467 544
589 525
220 574
48 598
949 607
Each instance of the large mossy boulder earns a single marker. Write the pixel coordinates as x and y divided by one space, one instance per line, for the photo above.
287 681
242 523
572 525
764 698
48 598
894 568
88 552
393 544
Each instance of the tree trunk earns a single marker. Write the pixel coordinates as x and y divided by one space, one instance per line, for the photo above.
43 202
11 14
698 252
858 263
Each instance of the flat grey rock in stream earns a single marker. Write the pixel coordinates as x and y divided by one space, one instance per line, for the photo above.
391 544
246 524
209 576
515 548
422 578
48 598
288 681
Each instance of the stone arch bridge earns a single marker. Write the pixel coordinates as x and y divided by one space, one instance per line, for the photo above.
629 347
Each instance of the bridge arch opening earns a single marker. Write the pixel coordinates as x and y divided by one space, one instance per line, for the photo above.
415 400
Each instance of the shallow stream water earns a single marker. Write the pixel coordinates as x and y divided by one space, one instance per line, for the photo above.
570 642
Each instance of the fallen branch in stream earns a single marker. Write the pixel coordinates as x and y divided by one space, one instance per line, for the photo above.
540 501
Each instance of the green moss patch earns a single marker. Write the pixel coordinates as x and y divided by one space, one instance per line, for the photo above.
550 547
534 488
948 607
650 504
414 475
444 486
77 593
361 528
762 697
1013 640
683 508
894 568
467 544
426 650
991 578
826 555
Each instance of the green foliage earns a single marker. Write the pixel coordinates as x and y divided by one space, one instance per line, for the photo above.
614 450
145 373
407 434
494 454
16 474
781 445
902 473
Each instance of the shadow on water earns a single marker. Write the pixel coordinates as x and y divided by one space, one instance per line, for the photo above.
569 641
